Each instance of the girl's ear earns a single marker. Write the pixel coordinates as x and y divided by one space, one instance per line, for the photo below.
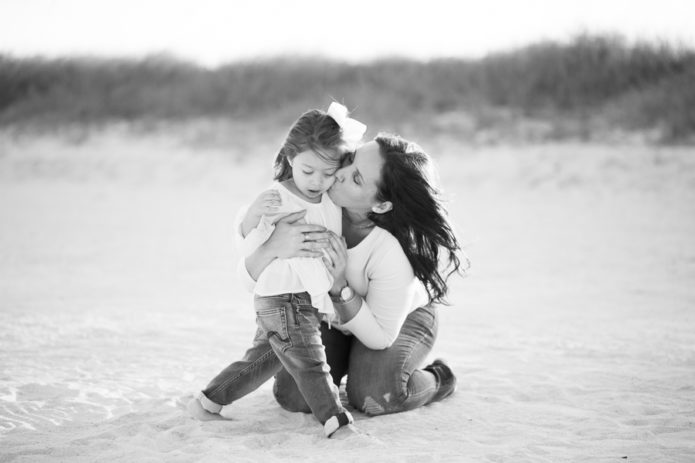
382 208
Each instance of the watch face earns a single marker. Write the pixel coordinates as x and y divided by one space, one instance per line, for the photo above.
346 293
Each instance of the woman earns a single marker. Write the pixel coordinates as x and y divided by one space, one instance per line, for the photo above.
390 270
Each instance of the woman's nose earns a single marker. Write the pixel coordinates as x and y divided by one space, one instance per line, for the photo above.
339 175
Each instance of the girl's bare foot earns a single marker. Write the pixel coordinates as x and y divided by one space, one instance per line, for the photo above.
196 410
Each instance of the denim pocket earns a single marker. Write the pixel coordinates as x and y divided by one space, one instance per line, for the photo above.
271 317
307 319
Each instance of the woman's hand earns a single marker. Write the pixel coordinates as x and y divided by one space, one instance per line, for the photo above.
336 262
292 237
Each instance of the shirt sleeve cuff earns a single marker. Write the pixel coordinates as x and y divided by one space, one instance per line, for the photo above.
248 283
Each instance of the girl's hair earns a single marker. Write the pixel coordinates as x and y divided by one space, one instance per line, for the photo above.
417 219
316 131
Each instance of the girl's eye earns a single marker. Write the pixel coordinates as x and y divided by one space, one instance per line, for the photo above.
307 173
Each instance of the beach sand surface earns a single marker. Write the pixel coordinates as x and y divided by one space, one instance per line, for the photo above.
573 337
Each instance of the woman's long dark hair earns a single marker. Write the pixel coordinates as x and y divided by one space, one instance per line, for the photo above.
418 219
314 130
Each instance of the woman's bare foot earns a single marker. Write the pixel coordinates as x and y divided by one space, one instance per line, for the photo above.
196 410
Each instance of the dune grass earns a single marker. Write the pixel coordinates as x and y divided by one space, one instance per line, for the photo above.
589 88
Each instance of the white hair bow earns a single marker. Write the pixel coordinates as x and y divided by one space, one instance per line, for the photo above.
353 130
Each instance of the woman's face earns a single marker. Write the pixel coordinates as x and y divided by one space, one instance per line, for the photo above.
356 183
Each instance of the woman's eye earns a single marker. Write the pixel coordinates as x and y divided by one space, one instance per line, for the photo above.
355 179
347 159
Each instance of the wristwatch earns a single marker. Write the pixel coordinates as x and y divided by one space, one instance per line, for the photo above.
346 294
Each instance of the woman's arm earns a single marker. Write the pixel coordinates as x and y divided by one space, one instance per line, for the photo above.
335 261
392 292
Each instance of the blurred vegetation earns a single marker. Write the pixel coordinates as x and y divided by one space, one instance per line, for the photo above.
593 87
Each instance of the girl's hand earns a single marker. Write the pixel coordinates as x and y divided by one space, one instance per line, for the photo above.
336 261
267 203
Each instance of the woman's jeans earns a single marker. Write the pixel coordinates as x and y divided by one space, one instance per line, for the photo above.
379 381
288 339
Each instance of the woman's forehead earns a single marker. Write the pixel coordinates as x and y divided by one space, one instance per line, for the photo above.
368 160
367 156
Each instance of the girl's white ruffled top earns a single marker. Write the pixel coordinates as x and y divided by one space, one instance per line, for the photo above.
297 274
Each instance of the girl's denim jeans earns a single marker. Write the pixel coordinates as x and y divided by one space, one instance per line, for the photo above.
288 339
379 381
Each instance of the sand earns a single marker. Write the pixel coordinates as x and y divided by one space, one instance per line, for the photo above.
573 338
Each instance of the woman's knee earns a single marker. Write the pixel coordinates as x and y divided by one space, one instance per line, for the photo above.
378 381
377 395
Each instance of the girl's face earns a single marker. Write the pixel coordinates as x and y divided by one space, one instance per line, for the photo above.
356 183
312 175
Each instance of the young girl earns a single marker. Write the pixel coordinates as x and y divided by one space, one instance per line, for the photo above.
291 295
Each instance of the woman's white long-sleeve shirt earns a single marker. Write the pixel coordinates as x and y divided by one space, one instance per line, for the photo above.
379 272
